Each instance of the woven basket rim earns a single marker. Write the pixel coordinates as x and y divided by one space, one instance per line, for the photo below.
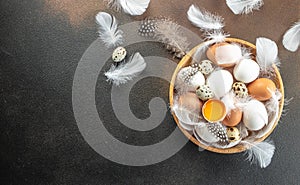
238 148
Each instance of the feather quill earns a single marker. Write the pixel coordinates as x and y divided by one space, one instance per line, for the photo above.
108 30
204 19
267 54
244 6
291 38
260 153
125 72
132 7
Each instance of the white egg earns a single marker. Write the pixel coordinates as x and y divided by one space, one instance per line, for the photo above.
197 80
189 79
220 82
228 55
246 71
255 115
204 134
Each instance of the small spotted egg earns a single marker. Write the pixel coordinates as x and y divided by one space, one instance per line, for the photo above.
233 134
206 67
119 54
204 92
240 89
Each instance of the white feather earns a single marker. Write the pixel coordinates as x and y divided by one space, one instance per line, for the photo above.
229 101
243 130
216 35
291 38
244 6
266 53
272 105
260 153
204 19
125 72
200 53
132 7
185 116
246 53
108 30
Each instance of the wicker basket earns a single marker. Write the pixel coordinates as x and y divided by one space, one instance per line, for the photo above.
238 148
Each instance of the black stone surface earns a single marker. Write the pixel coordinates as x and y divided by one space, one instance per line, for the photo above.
40 47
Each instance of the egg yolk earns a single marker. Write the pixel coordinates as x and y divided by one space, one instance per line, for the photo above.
214 110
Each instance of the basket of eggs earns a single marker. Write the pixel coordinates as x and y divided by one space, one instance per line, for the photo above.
227 95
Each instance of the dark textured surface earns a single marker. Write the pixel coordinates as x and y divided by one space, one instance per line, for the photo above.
41 43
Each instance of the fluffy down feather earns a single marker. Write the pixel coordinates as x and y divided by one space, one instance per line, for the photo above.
291 39
125 72
267 53
244 6
204 20
260 153
132 7
108 30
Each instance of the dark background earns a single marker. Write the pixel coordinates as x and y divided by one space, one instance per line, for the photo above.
41 43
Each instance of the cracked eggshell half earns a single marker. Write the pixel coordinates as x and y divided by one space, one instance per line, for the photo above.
246 71
224 54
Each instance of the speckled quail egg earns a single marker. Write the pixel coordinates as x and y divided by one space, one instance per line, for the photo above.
206 67
240 89
233 134
204 92
119 54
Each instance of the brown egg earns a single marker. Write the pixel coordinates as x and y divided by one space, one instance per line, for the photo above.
191 102
234 118
261 89
227 55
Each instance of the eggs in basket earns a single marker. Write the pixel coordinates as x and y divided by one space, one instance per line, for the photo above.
225 97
